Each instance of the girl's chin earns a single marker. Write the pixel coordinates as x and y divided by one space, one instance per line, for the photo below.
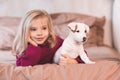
40 43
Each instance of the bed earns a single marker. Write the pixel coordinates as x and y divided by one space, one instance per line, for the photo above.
107 59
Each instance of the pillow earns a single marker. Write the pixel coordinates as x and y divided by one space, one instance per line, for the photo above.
7 57
8 28
60 21
102 52
9 25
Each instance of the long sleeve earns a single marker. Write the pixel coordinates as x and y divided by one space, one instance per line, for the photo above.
38 55
31 56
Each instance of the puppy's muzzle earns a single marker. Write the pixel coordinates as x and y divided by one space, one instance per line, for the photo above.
84 39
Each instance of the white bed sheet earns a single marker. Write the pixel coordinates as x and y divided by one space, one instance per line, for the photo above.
7 57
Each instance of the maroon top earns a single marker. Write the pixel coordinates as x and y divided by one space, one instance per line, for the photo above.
40 55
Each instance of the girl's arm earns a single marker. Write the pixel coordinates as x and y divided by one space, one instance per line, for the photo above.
67 60
31 56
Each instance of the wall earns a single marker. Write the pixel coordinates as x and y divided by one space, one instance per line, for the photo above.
116 24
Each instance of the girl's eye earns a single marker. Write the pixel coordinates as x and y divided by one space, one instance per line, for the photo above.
33 29
77 31
44 28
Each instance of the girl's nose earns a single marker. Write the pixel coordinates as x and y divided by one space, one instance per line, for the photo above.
39 32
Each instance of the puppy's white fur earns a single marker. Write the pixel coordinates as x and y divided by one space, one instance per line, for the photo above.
73 44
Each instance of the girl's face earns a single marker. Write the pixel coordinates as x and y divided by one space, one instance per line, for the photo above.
39 30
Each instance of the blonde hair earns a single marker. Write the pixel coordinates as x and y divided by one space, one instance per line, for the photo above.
21 40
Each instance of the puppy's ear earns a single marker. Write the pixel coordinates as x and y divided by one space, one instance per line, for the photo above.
87 28
72 27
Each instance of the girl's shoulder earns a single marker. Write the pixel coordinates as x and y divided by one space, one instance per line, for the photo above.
58 39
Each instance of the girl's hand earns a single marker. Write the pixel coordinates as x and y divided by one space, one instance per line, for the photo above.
67 60
32 42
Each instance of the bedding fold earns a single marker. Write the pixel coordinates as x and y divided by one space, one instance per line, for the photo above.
101 70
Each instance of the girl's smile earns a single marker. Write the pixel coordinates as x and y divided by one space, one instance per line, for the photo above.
39 39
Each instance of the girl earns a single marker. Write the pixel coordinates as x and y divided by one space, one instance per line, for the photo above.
36 42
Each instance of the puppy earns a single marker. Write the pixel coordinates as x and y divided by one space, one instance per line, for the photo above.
73 44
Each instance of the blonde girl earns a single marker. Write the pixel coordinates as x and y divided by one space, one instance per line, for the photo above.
35 42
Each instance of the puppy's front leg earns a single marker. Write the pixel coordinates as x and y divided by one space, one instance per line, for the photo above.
86 59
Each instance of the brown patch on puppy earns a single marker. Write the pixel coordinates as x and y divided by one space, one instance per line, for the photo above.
74 29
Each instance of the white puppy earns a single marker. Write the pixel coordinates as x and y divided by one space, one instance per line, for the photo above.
73 44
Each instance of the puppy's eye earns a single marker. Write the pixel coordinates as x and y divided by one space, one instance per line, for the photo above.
85 31
77 31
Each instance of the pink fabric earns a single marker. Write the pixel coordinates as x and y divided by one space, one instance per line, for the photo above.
102 70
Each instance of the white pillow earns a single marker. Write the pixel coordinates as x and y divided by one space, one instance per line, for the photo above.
7 57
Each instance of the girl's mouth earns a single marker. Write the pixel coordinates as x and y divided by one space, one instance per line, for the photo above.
39 39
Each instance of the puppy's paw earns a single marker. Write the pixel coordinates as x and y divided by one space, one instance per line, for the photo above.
91 62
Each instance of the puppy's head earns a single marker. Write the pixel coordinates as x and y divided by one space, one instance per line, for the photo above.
78 31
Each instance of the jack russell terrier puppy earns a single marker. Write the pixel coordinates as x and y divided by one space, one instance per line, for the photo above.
73 44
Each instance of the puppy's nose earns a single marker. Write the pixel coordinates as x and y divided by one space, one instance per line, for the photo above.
84 39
